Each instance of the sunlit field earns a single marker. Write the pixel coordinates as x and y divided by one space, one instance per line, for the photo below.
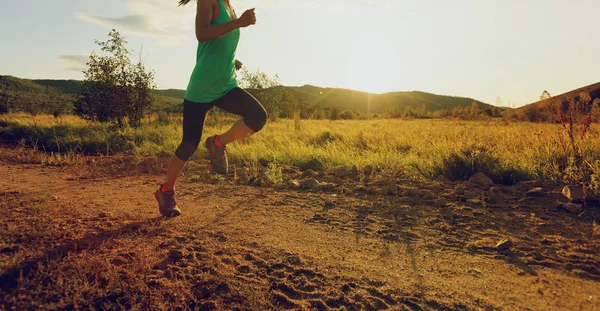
507 152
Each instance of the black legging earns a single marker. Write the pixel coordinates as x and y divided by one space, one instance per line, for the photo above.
237 101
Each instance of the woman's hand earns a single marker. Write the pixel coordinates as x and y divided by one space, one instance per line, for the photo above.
248 18
238 65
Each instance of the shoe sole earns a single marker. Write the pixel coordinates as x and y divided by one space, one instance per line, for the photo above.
160 210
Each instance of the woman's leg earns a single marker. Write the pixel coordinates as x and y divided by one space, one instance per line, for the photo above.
193 122
173 172
254 116
194 115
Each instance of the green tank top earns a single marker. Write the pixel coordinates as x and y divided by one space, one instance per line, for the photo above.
214 74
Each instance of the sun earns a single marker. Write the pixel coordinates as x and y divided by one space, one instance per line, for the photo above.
370 60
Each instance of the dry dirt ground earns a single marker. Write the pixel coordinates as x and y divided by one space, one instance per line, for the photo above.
89 236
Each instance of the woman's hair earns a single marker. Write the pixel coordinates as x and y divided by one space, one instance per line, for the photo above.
183 2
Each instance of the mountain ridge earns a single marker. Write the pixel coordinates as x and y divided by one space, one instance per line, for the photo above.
305 96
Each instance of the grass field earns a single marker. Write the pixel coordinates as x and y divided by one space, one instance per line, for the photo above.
84 233
507 152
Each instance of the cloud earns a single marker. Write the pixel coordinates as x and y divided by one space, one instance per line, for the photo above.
171 24
320 4
137 25
75 62
148 18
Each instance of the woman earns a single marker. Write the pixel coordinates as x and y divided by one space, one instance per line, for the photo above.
213 83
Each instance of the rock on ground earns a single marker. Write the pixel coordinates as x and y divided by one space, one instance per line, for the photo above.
573 193
481 179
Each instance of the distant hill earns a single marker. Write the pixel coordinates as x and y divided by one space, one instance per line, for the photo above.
172 93
378 103
10 83
545 110
76 87
65 86
592 89
305 96
345 99
25 95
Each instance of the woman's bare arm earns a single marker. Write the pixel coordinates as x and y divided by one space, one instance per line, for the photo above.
205 31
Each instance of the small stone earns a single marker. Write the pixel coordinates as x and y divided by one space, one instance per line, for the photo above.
294 184
496 190
527 183
411 193
504 244
368 170
310 183
443 179
354 171
329 204
390 189
494 198
573 193
309 173
429 195
474 201
362 210
405 200
535 192
459 190
175 254
330 179
556 206
573 207
360 188
345 190
327 186
481 179
339 171
441 202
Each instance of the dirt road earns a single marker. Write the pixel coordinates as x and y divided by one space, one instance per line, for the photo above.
83 237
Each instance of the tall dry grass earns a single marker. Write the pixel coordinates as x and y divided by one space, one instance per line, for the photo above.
507 152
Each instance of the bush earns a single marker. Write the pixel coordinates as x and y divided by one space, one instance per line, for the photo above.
325 138
163 118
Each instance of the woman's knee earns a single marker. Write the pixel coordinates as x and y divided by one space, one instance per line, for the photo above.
257 119
185 150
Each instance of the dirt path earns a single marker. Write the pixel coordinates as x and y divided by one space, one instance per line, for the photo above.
79 238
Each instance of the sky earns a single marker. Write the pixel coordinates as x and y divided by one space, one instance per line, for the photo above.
484 49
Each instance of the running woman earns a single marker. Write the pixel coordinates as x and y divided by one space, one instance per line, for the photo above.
212 83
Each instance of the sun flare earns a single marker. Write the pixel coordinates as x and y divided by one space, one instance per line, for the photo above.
369 64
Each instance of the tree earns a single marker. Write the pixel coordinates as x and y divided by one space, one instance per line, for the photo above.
257 80
496 112
114 88
347 115
457 112
474 111
143 97
277 99
334 113
5 100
